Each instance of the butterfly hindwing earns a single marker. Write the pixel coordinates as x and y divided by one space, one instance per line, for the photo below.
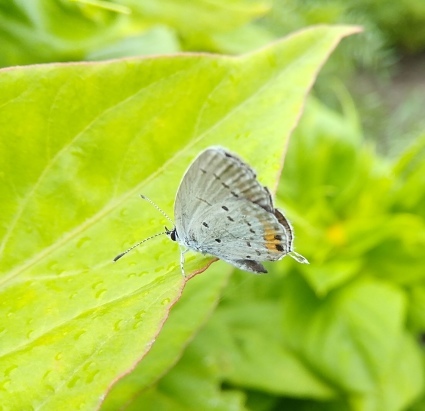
238 229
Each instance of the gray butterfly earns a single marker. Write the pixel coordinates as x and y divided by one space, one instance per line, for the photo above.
222 210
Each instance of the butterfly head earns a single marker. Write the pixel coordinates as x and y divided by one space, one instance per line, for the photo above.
172 234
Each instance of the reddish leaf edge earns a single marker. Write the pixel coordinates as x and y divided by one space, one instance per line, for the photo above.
161 325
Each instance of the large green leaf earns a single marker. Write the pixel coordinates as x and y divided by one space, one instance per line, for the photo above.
79 142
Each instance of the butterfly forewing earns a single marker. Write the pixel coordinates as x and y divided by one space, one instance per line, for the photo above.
216 175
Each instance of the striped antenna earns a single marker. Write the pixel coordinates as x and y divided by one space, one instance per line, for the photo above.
136 245
159 209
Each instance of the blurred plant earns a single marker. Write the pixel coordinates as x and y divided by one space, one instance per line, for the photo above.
49 30
367 63
68 30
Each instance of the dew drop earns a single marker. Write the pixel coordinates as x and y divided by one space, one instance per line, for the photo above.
73 381
100 293
124 212
8 370
165 301
144 294
78 334
47 374
54 266
172 267
4 384
96 284
88 365
49 388
160 279
117 325
137 324
82 405
58 356
153 221
91 376
139 315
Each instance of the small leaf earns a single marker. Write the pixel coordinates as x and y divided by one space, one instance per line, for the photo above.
250 352
355 337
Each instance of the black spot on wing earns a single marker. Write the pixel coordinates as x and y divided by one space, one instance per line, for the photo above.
251 265
205 224
279 247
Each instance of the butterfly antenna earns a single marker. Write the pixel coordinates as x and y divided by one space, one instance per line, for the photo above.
136 245
160 210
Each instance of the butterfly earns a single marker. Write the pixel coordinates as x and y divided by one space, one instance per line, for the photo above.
222 210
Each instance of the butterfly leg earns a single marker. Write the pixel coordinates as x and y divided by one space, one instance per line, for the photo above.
182 253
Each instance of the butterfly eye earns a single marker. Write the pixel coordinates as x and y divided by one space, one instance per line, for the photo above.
173 235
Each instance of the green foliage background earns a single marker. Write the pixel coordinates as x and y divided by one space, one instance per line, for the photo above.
79 142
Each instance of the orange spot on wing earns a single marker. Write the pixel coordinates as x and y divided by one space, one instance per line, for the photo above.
270 239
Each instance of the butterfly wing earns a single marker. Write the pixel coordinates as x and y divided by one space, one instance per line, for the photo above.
215 175
221 209
241 233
